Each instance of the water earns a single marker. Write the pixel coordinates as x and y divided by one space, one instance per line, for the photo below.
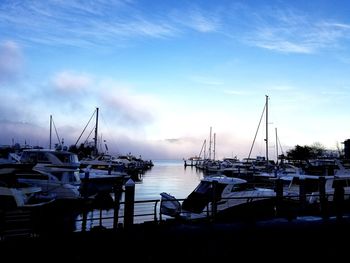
168 176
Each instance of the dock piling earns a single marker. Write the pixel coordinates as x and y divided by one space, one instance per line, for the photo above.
323 197
129 203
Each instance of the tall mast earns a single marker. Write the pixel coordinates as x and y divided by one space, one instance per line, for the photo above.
267 129
276 146
210 145
50 132
96 129
214 146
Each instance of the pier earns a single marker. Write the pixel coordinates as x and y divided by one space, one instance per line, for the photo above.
272 240
130 229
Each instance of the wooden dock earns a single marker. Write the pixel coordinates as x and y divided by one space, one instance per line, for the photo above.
272 240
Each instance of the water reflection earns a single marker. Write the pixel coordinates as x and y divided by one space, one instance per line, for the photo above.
168 176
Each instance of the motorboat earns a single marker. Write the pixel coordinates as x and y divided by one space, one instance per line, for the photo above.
311 183
94 180
27 197
64 183
49 157
54 171
14 194
221 197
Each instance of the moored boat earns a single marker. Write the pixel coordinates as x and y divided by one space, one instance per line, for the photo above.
221 197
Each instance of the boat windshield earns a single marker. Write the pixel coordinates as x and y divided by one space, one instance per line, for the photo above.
201 196
204 187
67 158
242 187
66 176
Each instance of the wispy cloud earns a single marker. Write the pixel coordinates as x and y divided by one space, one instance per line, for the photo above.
197 19
291 31
112 23
203 22
91 23
11 60
77 23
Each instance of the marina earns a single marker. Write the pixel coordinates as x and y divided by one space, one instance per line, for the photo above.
160 131
200 195
130 214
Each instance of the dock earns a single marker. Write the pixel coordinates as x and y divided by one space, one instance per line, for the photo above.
272 240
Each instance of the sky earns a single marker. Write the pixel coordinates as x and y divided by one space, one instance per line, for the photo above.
165 73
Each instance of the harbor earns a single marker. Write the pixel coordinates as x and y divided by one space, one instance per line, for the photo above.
140 201
93 230
159 131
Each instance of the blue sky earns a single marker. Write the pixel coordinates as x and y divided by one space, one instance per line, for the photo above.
163 72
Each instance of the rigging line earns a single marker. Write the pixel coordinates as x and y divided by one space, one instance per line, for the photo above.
105 123
89 135
256 133
85 128
58 138
278 139
204 143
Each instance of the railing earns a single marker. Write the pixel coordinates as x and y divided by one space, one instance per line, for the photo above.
130 211
145 211
148 211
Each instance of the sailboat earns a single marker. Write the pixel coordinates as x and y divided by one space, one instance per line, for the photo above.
260 169
265 110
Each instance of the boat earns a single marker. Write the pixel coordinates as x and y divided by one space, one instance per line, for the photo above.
62 182
224 198
54 171
191 161
14 194
94 181
59 172
169 205
50 158
311 184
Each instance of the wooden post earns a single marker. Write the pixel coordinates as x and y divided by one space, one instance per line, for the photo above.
302 193
129 203
214 205
338 198
323 198
117 194
279 196
85 190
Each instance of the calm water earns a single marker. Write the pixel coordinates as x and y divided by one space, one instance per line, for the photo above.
168 176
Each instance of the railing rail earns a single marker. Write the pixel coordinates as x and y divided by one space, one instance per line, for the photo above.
149 210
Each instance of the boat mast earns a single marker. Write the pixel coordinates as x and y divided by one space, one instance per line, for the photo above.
214 146
276 147
96 129
210 145
256 133
50 132
267 130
